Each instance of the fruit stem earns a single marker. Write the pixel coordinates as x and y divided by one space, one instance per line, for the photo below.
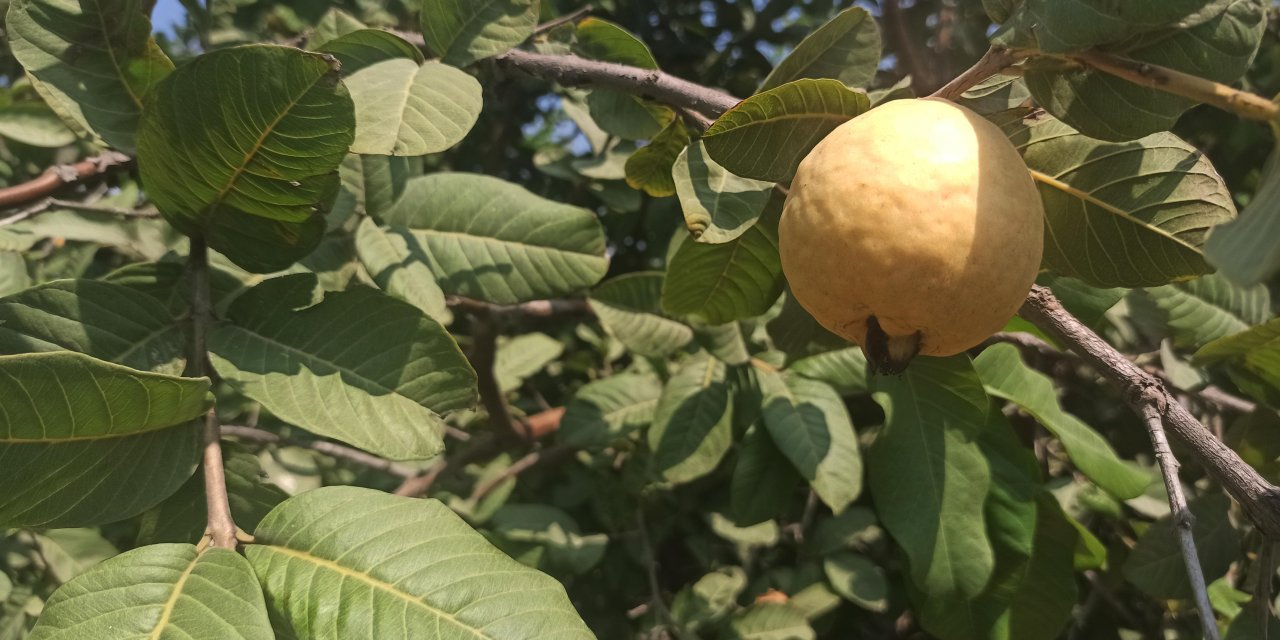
888 354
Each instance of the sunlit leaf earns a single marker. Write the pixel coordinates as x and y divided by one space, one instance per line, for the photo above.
718 206
629 308
1199 311
719 283
407 109
364 47
809 423
847 48
649 168
386 257
608 411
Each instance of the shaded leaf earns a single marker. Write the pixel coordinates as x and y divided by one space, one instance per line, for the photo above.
692 428
620 114
364 47
461 31
1199 311
765 136
763 482
1245 250
629 308
843 369
710 598
94 63
718 206
166 590
1156 565
846 48
649 168
551 529
35 124
809 423
858 579
492 240
70 552
723 282
408 109
522 356
359 366
607 411
242 146
345 562
334 24
386 257
84 441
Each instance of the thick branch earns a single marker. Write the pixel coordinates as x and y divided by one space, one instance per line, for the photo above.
222 528
1260 500
573 71
531 309
483 353
1241 103
55 177
995 60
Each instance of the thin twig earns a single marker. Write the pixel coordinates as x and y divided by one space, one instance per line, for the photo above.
1262 587
222 528
651 570
1183 520
544 456
350 454
484 349
995 60
531 309
421 484
58 176
1241 103
572 16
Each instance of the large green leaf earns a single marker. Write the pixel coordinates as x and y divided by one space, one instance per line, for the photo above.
767 135
1126 214
93 62
348 562
364 47
1224 35
763 482
1156 564
929 476
408 109
1199 311
105 320
493 240
798 334
386 257
84 441
242 146
608 411
629 307
1005 375
692 424
810 425
463 31
718 206
1245 250
847 49
160 591
359 366
719 283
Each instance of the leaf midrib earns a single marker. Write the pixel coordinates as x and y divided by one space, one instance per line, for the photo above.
172 602
374 583
1089 198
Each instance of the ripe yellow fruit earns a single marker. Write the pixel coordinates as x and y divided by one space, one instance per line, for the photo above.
913 228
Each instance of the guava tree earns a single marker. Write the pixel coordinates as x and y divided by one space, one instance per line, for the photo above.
443 319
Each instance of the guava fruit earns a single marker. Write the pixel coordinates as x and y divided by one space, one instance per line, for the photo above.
914 228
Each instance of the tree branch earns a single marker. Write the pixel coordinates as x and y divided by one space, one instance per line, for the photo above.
350 454
1152 410
222 528
551 454
568 17
484 349
995 60
59 176
1260 500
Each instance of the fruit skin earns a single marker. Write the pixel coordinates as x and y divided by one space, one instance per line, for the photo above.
919 216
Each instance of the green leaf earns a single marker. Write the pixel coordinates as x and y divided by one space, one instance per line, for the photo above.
461 32
358 366
767 135
334 24
1256 351
649 168
1087 303
995 94
70 552
607 411
798 334
809 423
104 320
551 529
718 206
1245 250
620 114
1131 214
1005 375
770 621
603 40
843 369
522 356
1225 33
692 424
859 580
1076 25
1200 311
371 184
166 590
94 63
84 441
407 109
629 308
349 562
1156 565
35 124
242 146
929 476
763 482
847 48
854 528
710 598
386 257
492 240
361 48
719 283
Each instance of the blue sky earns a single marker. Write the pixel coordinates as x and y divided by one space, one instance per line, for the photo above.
167 14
